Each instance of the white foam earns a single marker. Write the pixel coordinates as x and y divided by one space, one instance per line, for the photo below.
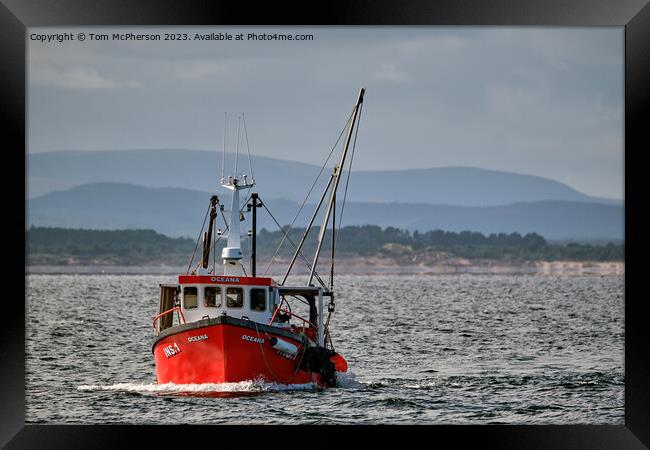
204 388
343 380
347 380
421 386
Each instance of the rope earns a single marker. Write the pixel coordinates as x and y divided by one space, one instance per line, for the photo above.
309 193
304 350
263 354
243 269
327 330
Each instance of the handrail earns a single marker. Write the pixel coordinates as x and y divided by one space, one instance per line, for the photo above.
274 314
277 309
291 314
180 314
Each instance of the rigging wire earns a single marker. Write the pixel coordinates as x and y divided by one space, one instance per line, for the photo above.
250 165
347 181
224 219
299 299
215 243
223 156
338 232
212 248
309 193
237 149
294 245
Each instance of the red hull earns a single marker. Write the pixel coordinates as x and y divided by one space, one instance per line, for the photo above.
224 352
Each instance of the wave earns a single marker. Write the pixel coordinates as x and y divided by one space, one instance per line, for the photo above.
348 380
252 386
344 380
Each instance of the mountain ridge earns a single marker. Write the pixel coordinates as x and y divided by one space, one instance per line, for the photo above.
178 212
192 169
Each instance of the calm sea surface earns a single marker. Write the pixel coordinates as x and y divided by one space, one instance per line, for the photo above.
439 349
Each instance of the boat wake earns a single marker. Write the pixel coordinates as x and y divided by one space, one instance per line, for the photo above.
348 380
249 387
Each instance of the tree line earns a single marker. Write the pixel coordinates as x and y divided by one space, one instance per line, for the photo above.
57 245
372 239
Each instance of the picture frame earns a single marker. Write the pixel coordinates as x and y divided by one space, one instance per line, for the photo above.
16 16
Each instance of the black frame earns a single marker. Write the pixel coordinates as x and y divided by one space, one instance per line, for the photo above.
634 15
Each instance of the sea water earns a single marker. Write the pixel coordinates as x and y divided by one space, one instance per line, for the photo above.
425 349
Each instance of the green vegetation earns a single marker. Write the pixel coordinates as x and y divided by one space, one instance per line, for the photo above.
371 239
125 247
128 247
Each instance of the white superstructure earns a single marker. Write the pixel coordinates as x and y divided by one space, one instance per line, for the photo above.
232 253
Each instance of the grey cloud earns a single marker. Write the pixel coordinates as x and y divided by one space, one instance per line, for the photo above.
542 101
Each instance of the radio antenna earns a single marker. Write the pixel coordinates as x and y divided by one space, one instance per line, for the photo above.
250 165
237 150
223 157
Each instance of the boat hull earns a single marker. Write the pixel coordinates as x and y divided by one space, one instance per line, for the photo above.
228 350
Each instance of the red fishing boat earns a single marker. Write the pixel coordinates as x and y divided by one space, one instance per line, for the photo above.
235 325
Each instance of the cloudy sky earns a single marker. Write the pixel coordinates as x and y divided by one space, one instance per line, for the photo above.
540 101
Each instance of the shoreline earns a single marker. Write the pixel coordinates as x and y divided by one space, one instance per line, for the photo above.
374 266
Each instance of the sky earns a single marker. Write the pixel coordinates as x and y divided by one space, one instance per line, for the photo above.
539 101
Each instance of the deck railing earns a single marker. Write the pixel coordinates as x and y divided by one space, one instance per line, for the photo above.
286 311
175 308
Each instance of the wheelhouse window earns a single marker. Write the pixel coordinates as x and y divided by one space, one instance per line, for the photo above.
213 296
234 297
190 297
258 299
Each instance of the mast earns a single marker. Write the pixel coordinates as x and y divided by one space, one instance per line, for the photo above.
254 205
336 175
231 253
331 184
304 236
207 236
331 286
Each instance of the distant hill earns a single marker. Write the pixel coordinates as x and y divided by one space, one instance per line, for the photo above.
180 212
201 170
